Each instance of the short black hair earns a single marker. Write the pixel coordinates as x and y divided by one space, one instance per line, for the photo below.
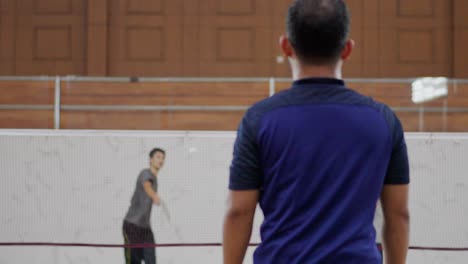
318 29
155 150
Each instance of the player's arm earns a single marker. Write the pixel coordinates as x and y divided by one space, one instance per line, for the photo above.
148 187
244 184
238 223
394 201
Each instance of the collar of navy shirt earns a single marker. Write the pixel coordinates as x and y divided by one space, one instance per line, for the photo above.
319 81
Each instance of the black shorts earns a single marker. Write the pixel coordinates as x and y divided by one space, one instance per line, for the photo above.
137 235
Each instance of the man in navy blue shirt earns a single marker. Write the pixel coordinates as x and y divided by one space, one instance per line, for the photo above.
317 158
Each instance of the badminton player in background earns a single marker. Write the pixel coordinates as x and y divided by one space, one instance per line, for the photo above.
317 157
136 227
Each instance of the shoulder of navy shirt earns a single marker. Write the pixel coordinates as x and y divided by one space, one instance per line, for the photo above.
304 92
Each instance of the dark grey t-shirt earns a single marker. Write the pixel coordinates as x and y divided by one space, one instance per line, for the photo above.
139 212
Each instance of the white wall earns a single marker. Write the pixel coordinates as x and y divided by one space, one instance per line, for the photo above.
76 186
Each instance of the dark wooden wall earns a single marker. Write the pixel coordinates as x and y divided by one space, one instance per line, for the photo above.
395 38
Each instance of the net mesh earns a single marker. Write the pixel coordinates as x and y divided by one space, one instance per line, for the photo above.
75 187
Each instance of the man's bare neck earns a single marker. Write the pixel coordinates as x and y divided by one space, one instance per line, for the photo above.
317 72
154 171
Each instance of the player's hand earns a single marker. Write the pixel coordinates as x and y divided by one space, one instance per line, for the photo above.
157 200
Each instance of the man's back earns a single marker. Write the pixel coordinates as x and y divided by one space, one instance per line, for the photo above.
322 153
316 158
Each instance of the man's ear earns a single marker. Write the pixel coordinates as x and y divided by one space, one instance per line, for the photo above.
347 50
286 46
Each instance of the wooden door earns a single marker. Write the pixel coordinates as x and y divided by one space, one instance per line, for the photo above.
7 37
146 38
235 38
50 37
415 38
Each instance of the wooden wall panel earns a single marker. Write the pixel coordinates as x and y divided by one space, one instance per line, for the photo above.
458 96
97 34
415 38
234 94
409 121
436 122
397 96
456 122
394 38
235 38
191 38
354 67
461 38
280 66
433 122
163 93
7 37
146 38
126 120
193 120
137 120
27 119
204 120
26 93
50 37
364 61
370 41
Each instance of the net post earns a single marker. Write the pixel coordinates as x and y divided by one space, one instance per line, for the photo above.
57 103
272 86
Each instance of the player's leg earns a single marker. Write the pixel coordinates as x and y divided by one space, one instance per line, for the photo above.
149 253
127 251
131 236
136 255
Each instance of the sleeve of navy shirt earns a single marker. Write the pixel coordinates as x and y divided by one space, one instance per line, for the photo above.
398 167
245 172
